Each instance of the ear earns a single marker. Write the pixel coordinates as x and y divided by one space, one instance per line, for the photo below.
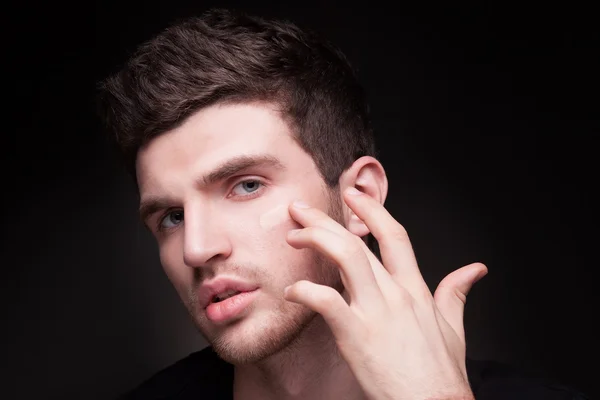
367 175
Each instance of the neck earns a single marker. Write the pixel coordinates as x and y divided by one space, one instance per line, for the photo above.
309 368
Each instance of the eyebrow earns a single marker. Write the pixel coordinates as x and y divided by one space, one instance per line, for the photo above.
227 169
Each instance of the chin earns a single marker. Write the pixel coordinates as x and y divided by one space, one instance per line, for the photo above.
256 338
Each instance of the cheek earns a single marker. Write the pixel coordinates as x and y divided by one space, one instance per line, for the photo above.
274 218
274 226
263 230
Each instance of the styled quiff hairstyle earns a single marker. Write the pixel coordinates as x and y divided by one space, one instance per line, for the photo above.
227 57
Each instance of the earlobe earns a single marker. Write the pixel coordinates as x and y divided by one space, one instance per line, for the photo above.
357 227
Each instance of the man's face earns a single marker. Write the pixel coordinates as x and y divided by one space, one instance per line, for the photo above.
234 224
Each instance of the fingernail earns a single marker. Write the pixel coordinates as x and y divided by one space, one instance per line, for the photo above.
481 274
300 204
353 191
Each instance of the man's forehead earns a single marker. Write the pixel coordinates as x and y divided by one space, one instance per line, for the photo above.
215 134
234 126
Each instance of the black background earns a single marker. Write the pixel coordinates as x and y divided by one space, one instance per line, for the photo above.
486 116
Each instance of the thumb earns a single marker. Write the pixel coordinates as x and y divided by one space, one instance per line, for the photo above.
451 294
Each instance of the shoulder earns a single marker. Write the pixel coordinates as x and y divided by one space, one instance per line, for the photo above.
202 372
492 380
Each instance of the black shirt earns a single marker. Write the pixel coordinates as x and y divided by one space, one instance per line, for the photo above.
204 376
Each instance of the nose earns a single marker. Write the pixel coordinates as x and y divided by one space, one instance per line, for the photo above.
205 239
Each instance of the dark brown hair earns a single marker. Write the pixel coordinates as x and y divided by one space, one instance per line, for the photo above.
225 56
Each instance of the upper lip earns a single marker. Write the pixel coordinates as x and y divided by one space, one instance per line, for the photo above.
210 289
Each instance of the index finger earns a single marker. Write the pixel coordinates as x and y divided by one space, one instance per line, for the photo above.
397 253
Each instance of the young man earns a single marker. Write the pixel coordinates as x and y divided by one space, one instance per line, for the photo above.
253 154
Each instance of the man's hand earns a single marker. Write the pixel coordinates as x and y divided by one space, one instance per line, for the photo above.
399 340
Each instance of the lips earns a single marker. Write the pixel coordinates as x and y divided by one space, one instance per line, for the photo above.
224 296
220 287
231 308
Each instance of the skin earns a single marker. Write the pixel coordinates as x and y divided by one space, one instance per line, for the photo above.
330 319
279 343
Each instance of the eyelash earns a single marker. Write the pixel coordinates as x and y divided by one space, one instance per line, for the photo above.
253 194
249 196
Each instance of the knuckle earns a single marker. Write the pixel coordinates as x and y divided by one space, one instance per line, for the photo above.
321 219
329 297
423 293
399 233
352 250
344 247
315 234
311 233
401 298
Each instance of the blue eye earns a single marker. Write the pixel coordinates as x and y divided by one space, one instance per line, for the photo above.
172 219
247 187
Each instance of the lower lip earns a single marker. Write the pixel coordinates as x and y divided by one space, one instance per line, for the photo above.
231 307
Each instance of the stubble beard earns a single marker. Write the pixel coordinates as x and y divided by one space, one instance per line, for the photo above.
285 324
275 331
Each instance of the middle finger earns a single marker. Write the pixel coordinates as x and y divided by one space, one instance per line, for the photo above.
343 247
